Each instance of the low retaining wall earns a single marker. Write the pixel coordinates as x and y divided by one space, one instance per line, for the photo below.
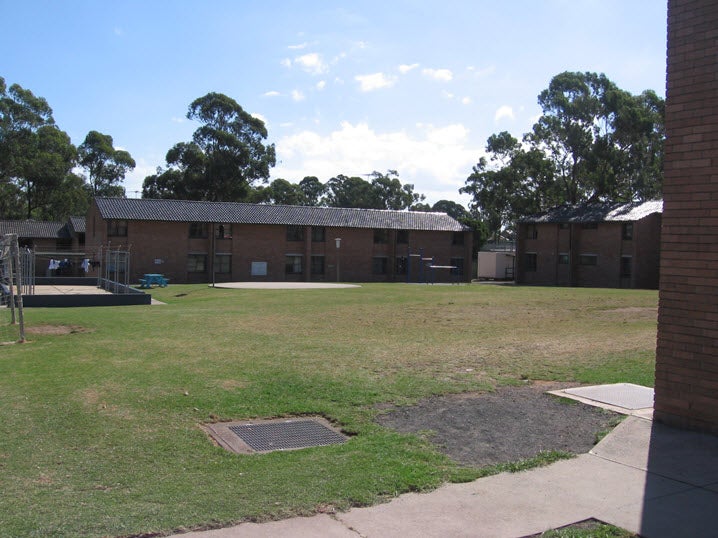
121 295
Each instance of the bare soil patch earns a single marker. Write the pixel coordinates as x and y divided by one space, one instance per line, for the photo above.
56 329
508 425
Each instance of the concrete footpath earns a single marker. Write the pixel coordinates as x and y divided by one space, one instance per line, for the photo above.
644 477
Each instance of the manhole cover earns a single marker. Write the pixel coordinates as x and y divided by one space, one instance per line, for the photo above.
271 435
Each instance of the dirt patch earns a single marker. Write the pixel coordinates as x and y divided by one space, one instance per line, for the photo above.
56 329
510 424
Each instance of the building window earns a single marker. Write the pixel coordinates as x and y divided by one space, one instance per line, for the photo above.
458 264
626 266
117 228
319 234
401 265
563 225
589 226
531 231
293 264
381 237
295 233
530 261
563 259
588 259
402 237
317 265
223 231
63 244
457 238
222 263
197 263
379 265
627 232
197 230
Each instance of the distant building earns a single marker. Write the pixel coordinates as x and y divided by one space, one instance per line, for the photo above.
591 245
51 240
193 241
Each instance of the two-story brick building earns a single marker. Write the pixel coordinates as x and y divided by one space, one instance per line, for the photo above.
592 245
193 241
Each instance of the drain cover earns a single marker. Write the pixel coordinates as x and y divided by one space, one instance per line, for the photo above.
271 435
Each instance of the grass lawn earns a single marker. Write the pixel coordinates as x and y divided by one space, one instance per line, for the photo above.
99 427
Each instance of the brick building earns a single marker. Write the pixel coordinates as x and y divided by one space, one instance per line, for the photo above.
592 245
192 241
50 240
687 351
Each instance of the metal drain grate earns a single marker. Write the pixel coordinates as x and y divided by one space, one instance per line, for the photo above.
286 435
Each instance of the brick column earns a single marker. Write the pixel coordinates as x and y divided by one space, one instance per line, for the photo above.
687 349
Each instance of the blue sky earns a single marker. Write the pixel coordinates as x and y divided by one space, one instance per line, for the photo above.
343 87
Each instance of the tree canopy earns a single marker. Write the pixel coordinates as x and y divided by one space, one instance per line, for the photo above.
38 159
106 166
593 142
226 156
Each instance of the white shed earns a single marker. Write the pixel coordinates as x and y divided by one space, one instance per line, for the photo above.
495 265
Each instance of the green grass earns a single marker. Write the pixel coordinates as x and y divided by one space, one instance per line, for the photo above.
99 428
589 530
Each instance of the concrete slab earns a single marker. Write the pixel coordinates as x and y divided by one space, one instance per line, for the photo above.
512 504
284 285
688 457
69 290
298 527
626 395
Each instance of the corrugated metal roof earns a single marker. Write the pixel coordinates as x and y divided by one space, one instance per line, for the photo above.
240 213
604 212
34 229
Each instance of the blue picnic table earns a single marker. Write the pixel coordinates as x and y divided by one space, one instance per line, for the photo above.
151 279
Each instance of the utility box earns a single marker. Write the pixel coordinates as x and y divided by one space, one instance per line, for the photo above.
495 265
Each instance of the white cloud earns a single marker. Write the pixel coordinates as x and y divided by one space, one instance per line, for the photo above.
311 63
271 93
405 68
298 46
436 160
286 62
297 95
447 95
444 75
119 32
466 101
178 119
375 81
321 85
504 111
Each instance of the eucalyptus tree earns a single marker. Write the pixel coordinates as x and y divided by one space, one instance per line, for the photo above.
226 156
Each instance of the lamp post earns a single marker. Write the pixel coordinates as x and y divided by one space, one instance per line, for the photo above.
338 242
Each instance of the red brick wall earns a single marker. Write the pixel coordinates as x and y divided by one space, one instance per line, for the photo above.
604 242
169 242
687 349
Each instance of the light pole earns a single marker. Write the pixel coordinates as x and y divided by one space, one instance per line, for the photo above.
338 242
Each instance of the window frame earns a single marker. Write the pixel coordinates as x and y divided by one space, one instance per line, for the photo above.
298 261
530 262
222 256
295 233
531 231
117 227
627 231
315 268
191 267
198 230
626 273
384 265
319 234
588 260
225 228
381 236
